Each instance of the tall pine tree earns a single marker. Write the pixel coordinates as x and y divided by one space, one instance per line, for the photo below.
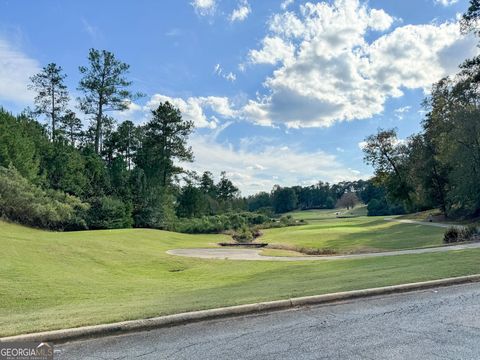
52 97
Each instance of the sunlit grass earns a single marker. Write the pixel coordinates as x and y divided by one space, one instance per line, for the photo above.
353 235
56 280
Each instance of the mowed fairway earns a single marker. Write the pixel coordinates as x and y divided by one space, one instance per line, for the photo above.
358 234
57 280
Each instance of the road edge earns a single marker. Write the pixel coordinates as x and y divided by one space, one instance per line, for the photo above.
196 316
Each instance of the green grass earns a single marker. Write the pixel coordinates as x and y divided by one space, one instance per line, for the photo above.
310 215
352 235
56 280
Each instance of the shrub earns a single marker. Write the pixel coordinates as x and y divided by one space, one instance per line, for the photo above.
287 220
304 250
220 223
107 212
243 235
456 234
28 204
470 232
452 235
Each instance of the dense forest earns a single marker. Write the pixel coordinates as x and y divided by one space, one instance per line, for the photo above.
57 173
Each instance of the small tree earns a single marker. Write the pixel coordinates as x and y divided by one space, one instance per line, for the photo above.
52 94
72 126
348 200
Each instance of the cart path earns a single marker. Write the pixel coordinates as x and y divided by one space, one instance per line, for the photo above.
254 254
405 221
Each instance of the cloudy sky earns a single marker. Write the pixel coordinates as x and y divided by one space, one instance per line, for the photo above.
281 92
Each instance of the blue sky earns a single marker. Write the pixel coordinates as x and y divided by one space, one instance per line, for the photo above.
282 92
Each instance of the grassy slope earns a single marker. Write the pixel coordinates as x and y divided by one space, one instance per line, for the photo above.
56 280
353 235
310 215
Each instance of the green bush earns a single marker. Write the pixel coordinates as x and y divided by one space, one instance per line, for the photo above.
28 204
456 234
107 212
452 235
470 232
243 235
220 223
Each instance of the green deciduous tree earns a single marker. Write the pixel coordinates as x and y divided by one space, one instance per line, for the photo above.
386 154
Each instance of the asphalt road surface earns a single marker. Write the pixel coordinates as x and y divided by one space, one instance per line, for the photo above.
443 323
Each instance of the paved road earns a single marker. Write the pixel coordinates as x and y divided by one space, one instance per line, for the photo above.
436 324
254 254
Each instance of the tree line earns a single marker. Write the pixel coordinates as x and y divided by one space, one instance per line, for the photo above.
106 175
64 175
343 195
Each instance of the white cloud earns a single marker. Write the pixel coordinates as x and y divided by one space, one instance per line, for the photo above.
403 109
400 112
363 144
380 20
93 31
286 3
328 72
241 12
446 2
274 50
204 7
194 108
15 71
230 76
260 169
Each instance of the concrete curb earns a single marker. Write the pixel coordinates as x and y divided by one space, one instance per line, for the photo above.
196 316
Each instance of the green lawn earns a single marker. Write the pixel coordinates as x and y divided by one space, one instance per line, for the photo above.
328 214
57 280
352 235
